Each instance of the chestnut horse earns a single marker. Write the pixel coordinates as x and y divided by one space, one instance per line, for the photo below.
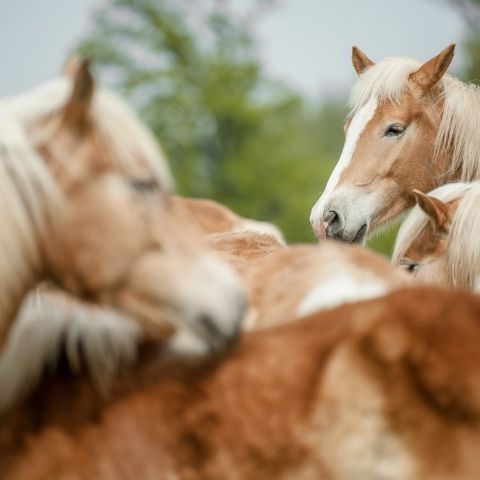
411 126
283 284
91 212
438 242
388 388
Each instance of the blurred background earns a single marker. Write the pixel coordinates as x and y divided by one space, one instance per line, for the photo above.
246 97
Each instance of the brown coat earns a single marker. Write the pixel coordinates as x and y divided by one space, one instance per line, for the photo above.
388 388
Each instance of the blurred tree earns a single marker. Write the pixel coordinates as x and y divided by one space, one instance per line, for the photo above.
470 12
230 132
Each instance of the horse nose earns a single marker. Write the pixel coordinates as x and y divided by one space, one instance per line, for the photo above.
333 223
220 333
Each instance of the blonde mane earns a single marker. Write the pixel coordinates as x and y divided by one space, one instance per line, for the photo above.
463 254
29 198
460 125
130 141
98 341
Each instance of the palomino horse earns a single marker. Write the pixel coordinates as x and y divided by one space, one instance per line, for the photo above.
92 215
411 126
388 388
438 242
101 341
283 284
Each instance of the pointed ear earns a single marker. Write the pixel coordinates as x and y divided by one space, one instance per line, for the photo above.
433 70
436 210
360 60
77 108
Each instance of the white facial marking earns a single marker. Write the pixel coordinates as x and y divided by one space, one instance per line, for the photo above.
357 126
336 290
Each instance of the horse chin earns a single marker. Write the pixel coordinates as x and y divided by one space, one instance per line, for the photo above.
358 236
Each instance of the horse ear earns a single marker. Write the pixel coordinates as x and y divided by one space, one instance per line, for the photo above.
71 66
433 70
78 105
360 60
437 211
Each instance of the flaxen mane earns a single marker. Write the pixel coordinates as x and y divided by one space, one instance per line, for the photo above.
28 197
94 340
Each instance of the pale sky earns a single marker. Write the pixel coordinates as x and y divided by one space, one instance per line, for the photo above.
306 43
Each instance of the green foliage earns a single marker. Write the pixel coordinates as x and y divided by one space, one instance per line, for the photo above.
230 132
383 240
470 11
471 70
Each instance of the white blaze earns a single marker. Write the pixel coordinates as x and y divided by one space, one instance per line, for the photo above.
357 125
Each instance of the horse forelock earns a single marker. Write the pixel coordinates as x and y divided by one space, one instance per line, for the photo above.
384 81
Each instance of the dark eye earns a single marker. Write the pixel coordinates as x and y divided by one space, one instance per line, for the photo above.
395 129
409 265
144 185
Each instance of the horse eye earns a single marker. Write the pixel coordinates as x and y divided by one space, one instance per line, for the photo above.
408 265
144 185
395 129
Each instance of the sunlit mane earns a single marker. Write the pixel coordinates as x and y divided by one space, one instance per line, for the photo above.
131 142
460 124
28 199
463 254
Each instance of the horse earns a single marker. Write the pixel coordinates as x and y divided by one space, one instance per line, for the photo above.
101 341
438 240
385 388
283 284
411 126
87 207
287 283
